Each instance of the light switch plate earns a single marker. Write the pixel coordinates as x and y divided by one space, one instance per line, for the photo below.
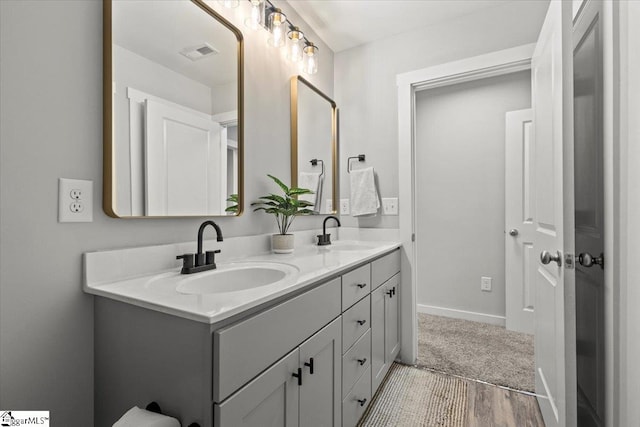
390 206
75 200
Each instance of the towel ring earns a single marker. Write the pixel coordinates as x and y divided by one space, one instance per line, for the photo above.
314 162
360 158
154 407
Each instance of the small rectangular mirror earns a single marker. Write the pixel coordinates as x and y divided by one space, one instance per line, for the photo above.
173 121
314 144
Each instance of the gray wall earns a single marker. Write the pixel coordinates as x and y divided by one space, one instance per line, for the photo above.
460 139
51 127
366 90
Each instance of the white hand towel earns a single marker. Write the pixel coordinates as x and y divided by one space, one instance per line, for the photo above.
136 417
364 194
311 181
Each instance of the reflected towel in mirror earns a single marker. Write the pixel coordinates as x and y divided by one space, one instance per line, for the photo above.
312 181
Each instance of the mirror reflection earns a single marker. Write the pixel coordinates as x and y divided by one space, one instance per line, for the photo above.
177 136
314 144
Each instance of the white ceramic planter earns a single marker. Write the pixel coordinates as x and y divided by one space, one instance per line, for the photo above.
282 243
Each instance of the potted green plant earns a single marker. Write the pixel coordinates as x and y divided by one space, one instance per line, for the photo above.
285 208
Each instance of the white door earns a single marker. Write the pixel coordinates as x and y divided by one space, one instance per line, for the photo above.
520 253
185 163
554 282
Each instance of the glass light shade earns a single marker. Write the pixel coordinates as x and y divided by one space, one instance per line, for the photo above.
296 45
309 62
230 4
278 28
256 16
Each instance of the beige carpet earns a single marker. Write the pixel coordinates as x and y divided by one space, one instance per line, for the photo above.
416 397
477 351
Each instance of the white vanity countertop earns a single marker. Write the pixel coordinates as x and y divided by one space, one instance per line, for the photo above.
315 263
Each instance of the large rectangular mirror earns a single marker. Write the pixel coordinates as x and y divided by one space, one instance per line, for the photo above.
173 110
314 144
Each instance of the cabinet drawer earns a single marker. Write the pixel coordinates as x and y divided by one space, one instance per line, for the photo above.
355 362
243 350
355 322
384 268
356 402
355 285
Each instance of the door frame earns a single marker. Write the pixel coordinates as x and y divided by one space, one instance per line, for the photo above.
475 68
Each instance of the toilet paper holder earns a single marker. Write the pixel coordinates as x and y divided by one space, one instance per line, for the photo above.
154 407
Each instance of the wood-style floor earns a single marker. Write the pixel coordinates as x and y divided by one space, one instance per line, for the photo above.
491 406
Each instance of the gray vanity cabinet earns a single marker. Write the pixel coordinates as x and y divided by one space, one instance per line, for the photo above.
385 335
301 389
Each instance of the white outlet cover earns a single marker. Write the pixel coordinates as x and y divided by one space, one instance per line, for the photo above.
345 207
75 200
329 205
485 284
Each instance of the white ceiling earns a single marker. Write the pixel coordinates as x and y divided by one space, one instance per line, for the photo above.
344 24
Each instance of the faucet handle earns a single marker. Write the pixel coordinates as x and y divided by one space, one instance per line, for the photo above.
211 257
187 260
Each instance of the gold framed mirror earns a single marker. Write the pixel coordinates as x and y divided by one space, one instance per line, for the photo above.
173 110
314 144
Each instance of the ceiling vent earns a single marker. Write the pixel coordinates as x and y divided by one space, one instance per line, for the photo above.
196 53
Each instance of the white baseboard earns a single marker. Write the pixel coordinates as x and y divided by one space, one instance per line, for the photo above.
461 314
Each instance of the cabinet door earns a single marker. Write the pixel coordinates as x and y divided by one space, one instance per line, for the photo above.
378 366
391 333
320 393
269 400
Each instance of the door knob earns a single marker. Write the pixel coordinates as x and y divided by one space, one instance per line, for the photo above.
587 260
513 232
546 258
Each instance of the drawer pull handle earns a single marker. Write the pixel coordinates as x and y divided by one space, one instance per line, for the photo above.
361 285
298 375
362 401
390 293
362 361
310 365
393 290
361 322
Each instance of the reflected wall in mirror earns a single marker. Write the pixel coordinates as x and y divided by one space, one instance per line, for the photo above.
173 122
314 144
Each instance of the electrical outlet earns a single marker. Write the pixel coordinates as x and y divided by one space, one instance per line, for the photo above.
75 198
329 205
485 284
345 207
390 206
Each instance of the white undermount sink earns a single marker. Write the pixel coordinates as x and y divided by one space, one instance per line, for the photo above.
232 277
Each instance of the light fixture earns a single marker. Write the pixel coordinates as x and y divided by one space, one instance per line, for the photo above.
277 27
309 62
296 44
256 18
230 4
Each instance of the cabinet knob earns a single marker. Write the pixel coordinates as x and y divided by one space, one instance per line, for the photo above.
390 293
362 361
361 322
361 285
310 365
298 375
362 401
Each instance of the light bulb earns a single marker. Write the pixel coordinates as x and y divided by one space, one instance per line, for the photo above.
309 62
294 52
277 21
254 20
